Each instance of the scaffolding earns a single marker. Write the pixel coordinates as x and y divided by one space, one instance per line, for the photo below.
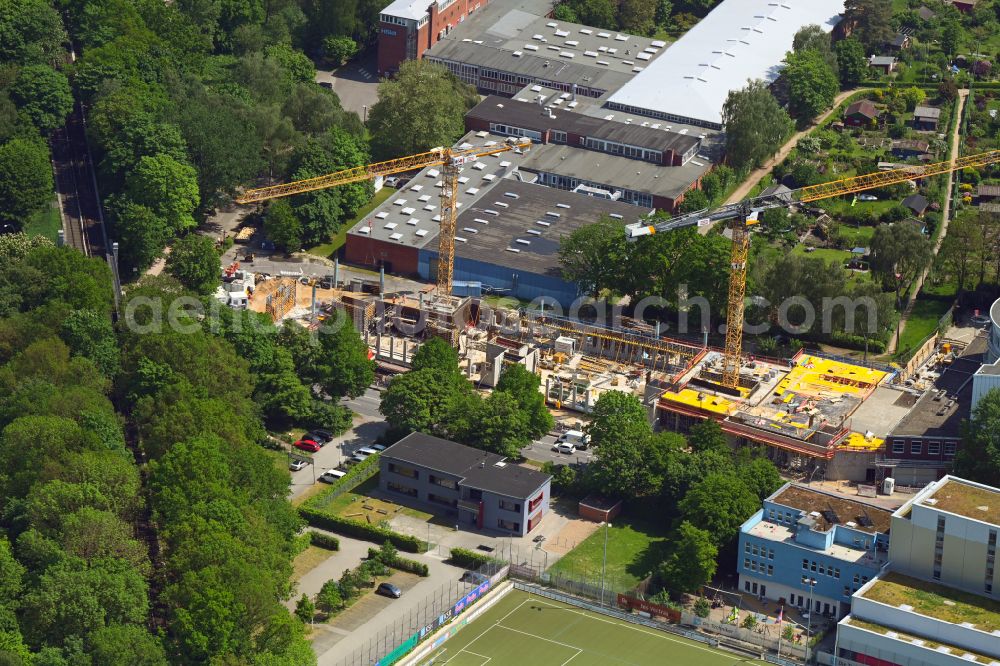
279 297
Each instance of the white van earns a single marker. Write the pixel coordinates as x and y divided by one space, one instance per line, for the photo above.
332 475
577 438
366 451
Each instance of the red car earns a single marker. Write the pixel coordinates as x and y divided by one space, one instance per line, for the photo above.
307 445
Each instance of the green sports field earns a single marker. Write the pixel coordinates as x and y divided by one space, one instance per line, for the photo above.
527 630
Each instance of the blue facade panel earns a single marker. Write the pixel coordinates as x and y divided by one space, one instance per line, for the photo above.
776 553
507 281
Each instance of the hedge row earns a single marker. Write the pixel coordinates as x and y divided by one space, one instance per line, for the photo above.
324 540
355 476
469 559
401 563
359 530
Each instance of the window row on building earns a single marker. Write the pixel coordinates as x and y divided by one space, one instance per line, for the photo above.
510 130
753 549
623 149
917 447
568 183
758 567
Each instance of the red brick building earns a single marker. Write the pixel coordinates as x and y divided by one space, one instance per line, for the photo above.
407 28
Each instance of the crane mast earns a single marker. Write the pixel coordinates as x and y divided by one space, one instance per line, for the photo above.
744 214
451 162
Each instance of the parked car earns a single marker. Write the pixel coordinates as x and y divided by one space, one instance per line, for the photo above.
377 447
366 451
332 475
326 282
321 437
307 445
389 590
297 464
867 197
564 447
980 320
326 84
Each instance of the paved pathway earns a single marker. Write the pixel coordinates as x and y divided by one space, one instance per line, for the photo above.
945 213
743 191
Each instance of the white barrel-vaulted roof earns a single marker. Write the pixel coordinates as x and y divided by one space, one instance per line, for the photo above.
738 40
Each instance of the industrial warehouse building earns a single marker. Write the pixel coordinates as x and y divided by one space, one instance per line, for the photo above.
507 235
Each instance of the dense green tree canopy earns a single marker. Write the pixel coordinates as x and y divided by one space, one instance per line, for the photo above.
851 62
718 504
195 263
421 108
978 458
755 125
43 95
812 83
25 179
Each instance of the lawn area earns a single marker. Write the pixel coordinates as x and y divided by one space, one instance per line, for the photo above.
357 505
309 559
327 249
826 254
859 236
635 547
527 629
841 205
923 321
46 222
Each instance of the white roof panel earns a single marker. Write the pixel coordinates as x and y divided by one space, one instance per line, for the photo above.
738 40
408 9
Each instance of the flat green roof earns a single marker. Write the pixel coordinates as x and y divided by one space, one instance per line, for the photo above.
968 500
925 642
937 601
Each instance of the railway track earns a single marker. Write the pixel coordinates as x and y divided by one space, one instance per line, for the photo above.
83 225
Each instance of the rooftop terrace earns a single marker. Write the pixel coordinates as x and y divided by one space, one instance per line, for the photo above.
936 601
965 499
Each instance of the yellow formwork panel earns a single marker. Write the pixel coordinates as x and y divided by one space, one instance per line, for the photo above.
709 402
823 374
857 441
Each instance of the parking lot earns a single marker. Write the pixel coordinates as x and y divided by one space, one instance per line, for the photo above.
541 451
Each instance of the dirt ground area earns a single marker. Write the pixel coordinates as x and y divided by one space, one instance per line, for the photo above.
569 536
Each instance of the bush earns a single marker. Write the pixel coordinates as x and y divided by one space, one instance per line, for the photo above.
359 530
321 540
469 559
702 607
401 563
355 476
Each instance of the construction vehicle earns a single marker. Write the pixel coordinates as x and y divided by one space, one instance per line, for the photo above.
744 214
452 161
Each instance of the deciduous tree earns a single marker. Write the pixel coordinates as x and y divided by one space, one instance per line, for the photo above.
167 187
25 179
195 263
524 386
755 125
812 84
691 561
421 108
594 256
719 504
870 22
978 458
282 226
851 62
43 94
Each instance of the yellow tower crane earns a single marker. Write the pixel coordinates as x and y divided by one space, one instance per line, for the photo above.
744 214
451 160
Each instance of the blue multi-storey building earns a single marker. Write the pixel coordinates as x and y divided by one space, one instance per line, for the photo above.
806 543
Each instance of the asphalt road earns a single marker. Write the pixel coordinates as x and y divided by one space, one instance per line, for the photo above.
356 84
541 450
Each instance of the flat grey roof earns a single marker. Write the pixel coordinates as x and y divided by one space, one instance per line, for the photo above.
530 115
412 215
738 40
477 468
530 222
616 172
540 66
932 416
